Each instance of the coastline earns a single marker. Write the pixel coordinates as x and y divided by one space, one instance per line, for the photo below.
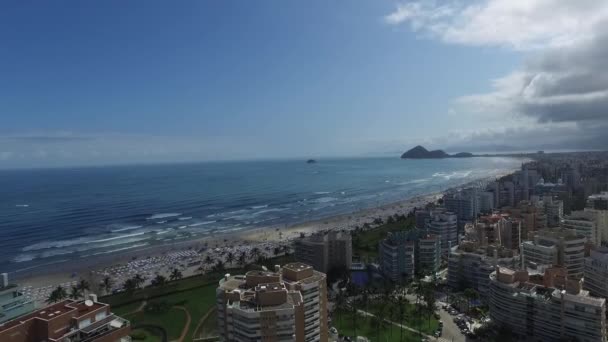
187 255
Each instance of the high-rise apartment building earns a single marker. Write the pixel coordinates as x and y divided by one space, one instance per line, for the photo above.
445 226
289 304
428 253
548 307
584 223
325 251
596 272
598 204
463 203
68 321
396 255
470 265
569 245
554 209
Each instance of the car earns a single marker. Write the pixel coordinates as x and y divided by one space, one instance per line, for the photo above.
437 334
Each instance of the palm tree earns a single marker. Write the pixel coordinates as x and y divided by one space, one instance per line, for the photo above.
208 260
75 293
230 258
219 267
354 313
159 280
130 285
401 302
139 281
255 253
57 295
430 300
242 260
106 284
83 286
339 305
176 274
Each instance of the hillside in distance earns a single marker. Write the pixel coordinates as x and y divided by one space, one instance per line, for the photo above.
420 152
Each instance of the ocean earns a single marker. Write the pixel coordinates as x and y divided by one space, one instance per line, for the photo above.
50 216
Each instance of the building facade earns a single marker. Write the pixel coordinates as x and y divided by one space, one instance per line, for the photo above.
12 302
569 245
445 226
428 254
583 223
68 321
548 307
470 266
289 304
396 256
325 251
596 272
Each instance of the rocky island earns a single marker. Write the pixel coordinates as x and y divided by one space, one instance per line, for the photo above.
420 152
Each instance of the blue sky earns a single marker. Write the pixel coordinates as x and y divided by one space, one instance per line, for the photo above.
130 81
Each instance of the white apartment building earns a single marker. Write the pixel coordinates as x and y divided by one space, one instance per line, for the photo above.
548 307
570 248
444 225
289 304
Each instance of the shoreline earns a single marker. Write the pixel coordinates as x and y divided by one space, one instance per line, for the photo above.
187 255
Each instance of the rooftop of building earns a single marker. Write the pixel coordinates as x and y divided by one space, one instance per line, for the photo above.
601 196
551 284
77 309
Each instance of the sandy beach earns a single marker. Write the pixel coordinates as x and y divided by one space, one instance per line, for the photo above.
189 255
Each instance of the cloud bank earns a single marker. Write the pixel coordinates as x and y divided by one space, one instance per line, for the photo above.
560 93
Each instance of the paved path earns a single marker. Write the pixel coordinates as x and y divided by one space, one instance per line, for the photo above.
139 308
187 326
201 322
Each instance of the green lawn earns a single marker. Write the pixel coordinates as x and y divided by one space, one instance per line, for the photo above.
173 321
365 327
413 318
147 336
365 242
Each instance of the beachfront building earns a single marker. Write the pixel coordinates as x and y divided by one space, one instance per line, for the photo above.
396 255
445 226
12 302
545 307
596 272
325 251
584 223
470 265
289 304
68 321
567 244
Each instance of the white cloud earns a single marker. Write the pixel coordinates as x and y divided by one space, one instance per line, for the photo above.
518 24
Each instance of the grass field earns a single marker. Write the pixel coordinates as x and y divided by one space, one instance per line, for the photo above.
365 242
366 327
196 294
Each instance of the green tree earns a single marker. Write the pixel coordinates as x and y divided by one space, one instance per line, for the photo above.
242 259
75 292
83 285
106 284
130 285
138 281
176 274
230 258
57 295
159 280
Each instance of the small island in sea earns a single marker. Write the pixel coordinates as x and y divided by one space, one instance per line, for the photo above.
311 161
420 152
